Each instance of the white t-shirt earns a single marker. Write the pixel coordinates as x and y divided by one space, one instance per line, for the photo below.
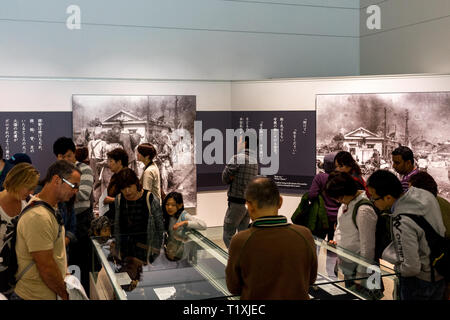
151 181
6 218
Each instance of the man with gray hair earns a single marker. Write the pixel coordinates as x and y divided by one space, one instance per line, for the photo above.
40 244
273 259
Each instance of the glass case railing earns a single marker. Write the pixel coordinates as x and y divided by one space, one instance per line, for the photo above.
193 268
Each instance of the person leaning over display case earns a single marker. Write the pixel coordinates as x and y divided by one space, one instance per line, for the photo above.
355 230
318 188
409 252
40 237
344 162
176 222
81 251
273 259
20 182
137 219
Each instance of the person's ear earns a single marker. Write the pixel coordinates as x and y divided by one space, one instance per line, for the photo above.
250 206
280 202
55 179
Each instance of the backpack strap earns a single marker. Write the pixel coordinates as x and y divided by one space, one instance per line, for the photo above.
429 233
360 203
30 206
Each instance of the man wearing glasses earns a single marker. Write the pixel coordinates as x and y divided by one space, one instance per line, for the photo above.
40 246
409 251
80 248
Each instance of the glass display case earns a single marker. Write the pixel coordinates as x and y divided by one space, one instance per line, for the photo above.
198 272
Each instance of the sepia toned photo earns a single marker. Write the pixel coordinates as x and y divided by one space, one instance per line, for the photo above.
371 126
105 122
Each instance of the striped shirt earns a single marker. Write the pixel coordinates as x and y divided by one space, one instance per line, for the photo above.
83 197
270 221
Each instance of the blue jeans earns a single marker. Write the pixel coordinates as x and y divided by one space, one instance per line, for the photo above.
412 288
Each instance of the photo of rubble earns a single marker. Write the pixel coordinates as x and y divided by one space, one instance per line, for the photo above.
371 126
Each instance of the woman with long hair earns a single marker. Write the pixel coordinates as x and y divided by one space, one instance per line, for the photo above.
344 162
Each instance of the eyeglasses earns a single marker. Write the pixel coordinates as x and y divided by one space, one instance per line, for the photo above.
376 199
70 184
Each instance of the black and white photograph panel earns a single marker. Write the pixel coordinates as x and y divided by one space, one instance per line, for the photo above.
371 126
105 122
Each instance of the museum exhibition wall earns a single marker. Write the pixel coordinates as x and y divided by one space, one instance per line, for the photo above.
232 97
165 51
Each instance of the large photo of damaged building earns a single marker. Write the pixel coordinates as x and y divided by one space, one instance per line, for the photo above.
371 126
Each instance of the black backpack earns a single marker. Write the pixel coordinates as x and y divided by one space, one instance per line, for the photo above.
439 246
8 257
382 232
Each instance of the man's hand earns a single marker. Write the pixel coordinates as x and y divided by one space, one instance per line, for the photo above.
49 272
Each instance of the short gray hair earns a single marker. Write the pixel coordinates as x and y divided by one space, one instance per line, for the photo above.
263 192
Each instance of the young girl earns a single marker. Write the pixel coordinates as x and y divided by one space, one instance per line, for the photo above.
176 219
176 222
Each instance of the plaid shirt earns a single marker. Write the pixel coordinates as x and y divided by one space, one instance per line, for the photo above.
242 168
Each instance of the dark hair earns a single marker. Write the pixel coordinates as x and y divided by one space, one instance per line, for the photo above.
60 168
81 154
328 162
147 149
250 134
119 154
1 153
424 180
264 192
62 145
127 177
19 158
385 183
178 197
98 224
344 158
405 152
340 184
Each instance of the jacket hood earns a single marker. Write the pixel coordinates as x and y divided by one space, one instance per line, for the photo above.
416 201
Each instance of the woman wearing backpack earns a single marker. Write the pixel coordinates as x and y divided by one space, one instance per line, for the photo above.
138 224
176 222
356 227
19 183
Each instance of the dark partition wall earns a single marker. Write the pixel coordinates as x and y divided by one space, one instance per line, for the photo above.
33 133
295 149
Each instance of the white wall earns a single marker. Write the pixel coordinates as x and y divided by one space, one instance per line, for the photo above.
414 38
180 39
